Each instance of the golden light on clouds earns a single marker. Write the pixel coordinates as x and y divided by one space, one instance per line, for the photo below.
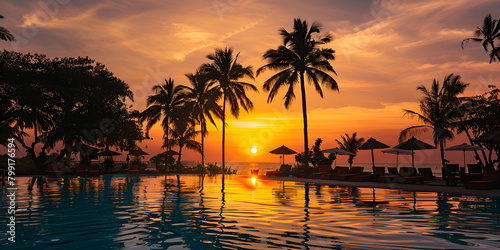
384 50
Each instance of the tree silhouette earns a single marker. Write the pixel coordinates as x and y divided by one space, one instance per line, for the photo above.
487 34
227 73
165 103
351 144
5 34
437 111
202 97
298 57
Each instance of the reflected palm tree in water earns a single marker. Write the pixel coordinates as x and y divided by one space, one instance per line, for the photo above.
306 216
373 204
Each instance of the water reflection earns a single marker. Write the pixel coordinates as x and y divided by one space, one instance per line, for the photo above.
208 212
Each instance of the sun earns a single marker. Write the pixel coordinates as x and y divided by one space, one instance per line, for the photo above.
254 149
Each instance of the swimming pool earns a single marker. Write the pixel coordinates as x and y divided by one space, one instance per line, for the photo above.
110 212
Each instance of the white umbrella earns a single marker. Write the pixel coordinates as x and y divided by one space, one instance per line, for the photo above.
397 152
464 147
337 151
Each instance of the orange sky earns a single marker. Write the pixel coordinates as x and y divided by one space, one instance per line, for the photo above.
384 50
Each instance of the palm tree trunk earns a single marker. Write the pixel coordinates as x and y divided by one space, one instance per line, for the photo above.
180 154
203 143
441 148
304 117
223 132
472 143
166 133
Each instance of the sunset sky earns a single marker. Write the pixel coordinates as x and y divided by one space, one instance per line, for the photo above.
384 50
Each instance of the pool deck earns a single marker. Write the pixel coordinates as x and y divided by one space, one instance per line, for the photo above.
429 186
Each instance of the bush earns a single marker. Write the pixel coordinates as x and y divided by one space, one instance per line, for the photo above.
302 171
212 168
316 157
199 169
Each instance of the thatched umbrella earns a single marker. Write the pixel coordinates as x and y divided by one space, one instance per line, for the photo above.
414 144
372 144
282 151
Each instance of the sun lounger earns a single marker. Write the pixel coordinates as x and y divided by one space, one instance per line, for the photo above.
491 180
151 169
426 174
408 175
93 170
354 171
475 173
284 171
377 172
451 174
323 169
54 169
133 169
390 177
3 176
81 169
337 170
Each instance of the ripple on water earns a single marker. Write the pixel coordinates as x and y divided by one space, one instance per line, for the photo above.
157 212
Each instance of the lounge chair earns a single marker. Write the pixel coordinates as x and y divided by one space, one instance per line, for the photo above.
54 169
354 171
323 169
81 169
3 176
427 174
377 172
451 174
284 171
408 175
152 168
133 169
491 180
93 170
337 170
390 177
475 173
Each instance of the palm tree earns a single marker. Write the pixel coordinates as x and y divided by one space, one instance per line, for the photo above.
5 34
351 144
183 135
202 96
437 111
166 102
298 57
487 35
227 72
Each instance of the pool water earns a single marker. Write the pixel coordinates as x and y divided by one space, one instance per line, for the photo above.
162 212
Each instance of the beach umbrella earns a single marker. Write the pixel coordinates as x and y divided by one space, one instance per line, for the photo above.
107 152
373 144
283 150
86 151
137 152
464 147
414 144
397 152
170 152
337 151
490 137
